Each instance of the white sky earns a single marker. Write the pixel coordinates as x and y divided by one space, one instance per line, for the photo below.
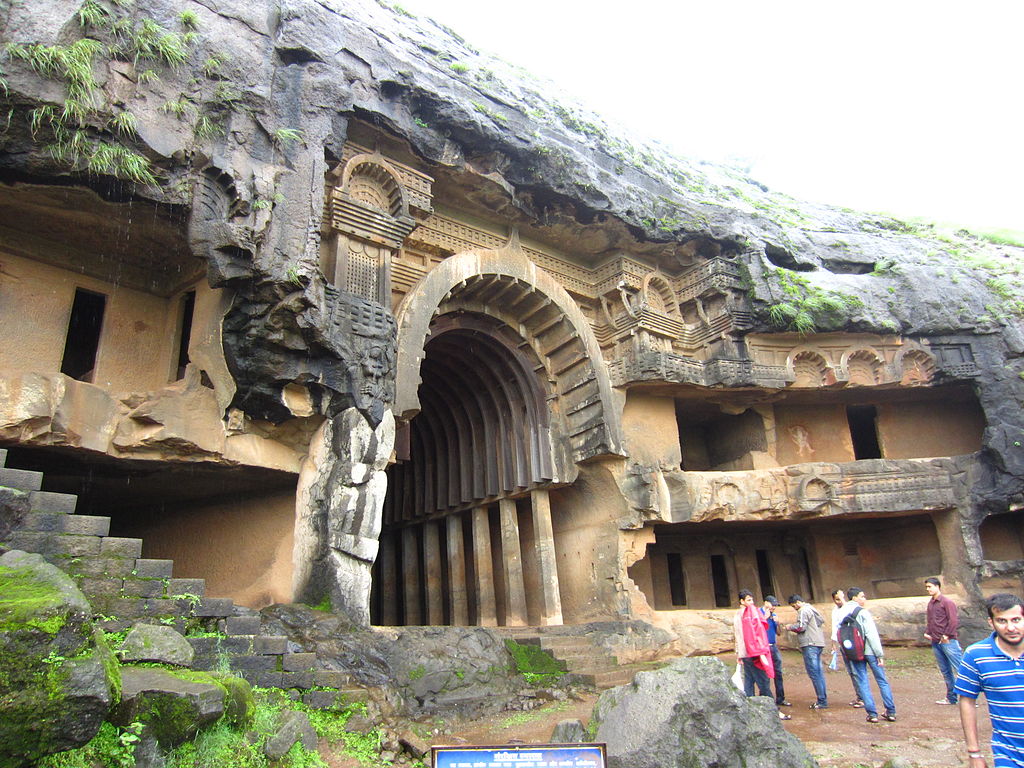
906 107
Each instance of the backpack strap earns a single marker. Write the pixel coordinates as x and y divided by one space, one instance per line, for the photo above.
852 615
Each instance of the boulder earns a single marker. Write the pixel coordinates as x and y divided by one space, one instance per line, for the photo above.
153 642
569 732
58 678
291 727
688 715
14 505
175 706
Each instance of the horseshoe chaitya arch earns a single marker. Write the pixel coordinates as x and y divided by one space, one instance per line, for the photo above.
508 287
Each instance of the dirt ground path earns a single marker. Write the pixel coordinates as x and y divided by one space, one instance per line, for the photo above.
925 733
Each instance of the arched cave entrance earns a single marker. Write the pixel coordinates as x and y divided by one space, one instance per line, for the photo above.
467 536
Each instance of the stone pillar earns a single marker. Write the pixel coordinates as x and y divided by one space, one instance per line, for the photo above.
411 576
459 606
512 563
388 587
957 574
432 573
544 540
486 610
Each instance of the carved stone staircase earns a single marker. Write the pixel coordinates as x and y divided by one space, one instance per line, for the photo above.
124 588
585 661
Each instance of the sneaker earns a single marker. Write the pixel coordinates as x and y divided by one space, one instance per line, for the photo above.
857 703
945 701
872 719
783 704
889 718
784 716
816 705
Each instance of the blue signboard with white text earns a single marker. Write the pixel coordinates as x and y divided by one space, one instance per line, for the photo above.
521 756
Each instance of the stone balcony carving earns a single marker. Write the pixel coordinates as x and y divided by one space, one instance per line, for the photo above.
817 490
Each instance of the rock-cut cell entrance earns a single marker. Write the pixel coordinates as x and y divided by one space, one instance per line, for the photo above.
466 536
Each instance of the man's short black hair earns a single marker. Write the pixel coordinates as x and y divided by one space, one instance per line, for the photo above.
744 593
795 599
1004 601
772 599
839 591
933 580
852 592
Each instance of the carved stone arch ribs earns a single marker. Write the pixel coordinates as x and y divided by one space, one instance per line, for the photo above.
864 367
915 367
810 369
505 285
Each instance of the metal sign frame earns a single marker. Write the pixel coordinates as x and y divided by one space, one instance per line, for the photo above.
591 755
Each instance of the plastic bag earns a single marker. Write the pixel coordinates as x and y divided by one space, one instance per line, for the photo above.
833 663
737 677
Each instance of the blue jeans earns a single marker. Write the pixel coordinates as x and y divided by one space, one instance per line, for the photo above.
947 656
812 663
754 674
860 673
780 691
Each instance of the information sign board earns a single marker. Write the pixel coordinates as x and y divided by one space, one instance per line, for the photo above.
521 756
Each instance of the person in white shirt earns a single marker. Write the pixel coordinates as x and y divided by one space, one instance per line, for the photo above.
842 608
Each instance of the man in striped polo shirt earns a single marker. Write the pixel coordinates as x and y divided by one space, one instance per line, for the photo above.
995 665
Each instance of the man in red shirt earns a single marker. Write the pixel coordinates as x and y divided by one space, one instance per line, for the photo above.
941 629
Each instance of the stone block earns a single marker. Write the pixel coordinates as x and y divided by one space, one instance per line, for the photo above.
99 586
153 569
298 662
204 645
78 546
214 606
261 663
48 501
205 662
295 679
86 525
243 625
330 678
186 587
21 479
159 606
262 678
144 588
237 644
43 522
42 543
109 567
274 645
320 699
116 546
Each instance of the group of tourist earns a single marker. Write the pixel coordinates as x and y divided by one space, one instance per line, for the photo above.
994 665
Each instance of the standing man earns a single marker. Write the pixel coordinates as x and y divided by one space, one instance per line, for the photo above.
768 611
838 614
751 631
809 628
941 629
994 665
873 660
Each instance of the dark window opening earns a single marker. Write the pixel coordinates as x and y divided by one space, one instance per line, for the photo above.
676 580
850 548
720 582
83 337
188 306
863 421
764 573
806 563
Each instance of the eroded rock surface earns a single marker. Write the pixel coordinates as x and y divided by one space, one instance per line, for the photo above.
58 677
690 715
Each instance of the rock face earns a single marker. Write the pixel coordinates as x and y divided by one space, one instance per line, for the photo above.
175 706
59 679
152 642
428 669
689 715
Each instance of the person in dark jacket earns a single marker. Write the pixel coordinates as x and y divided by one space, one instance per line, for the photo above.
768 610
941 630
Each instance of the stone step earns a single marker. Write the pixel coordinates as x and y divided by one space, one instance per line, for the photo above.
83 525
580 663
3 457
21 479
54 503
606 679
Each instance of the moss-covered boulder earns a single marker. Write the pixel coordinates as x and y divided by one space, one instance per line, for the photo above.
175 705
58 678
154 642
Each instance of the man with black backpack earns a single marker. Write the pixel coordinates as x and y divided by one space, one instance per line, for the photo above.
811 638
862 647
